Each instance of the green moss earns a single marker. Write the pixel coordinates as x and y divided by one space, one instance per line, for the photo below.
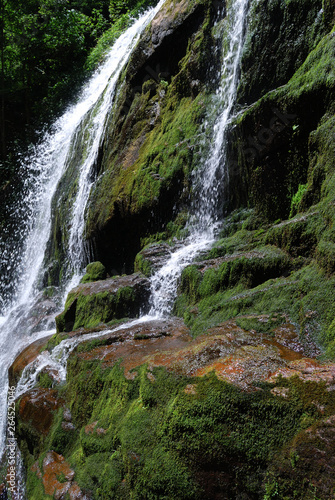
307 297
298 236
59 439
154 143
148 438
54 341
247 270
94 271
143 265
44 380
261 325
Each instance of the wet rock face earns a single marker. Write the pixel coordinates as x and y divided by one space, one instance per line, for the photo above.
40 316
27 356
145 170
271 56
151 259
38 407
58 478
279 144
102 301
172 27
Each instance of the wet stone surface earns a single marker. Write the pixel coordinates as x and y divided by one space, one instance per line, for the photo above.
236 355
58 478
28 355
38 407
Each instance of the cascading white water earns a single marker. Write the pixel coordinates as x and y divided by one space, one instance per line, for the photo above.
49 163
210 177
203 224
46 167
91 135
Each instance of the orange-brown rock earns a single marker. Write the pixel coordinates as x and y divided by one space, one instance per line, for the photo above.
236 355
38 406
58 478
28 355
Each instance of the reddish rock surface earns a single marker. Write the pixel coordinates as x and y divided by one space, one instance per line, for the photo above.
236 355
38 406
58 478
28 355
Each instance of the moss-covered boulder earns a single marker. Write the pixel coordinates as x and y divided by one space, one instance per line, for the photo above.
95 271
90 304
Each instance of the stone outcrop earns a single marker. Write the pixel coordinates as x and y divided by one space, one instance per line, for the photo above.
90 304
57 477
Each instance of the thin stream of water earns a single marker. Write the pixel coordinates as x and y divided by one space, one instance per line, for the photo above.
46 167
212 176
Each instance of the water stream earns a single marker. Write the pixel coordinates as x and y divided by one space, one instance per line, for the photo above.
211 177
49 164
46 165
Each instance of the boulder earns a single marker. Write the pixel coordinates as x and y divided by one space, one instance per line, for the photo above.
90 304
58 478
95 271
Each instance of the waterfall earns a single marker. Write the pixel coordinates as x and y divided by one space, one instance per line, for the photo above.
211 177
45 167
86 121
204 222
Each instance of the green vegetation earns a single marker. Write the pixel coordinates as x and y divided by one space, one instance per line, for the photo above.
94 271
44 48
297 199
149 438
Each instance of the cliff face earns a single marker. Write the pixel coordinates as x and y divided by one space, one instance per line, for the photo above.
148 151
234 398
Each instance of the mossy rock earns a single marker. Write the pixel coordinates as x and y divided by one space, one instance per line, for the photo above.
91 304
279 37
284 140
94 271
151 437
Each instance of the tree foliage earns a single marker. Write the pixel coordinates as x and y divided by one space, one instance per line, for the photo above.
43 47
